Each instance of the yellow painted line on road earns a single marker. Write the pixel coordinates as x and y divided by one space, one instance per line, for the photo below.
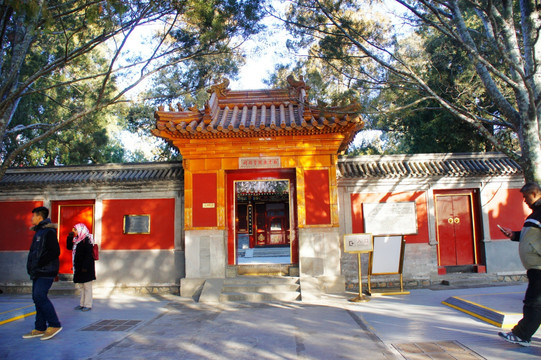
24 307
17 318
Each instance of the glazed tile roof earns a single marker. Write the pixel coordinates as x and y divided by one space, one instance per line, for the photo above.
361 167
110 173
253 113
427 165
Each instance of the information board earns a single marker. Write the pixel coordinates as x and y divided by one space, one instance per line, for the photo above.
357 243
390 218
136 224
387 255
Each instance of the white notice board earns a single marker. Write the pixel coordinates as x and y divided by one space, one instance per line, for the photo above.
387 255
390 218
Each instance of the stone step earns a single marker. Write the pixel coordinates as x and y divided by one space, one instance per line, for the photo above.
259 296
266 270
264 252
241 280
262 288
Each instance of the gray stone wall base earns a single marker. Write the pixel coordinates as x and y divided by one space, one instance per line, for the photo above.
13 266
125 271
502 256
205 253
319 262
69 288
313 288
212 289
191 287
319 252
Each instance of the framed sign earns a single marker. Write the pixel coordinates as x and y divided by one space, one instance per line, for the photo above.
136 224
390 218
387 257
358 243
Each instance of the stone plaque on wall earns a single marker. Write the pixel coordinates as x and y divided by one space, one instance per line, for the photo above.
136 224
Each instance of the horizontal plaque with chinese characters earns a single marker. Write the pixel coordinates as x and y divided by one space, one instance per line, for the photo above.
259 162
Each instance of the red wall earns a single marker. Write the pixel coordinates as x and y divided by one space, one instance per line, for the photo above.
15 223
205 188
317 197
507 208
162 224
419 197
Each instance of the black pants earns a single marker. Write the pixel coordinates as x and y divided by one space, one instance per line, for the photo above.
532 307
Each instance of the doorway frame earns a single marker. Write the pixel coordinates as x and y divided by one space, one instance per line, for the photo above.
56 211
232 176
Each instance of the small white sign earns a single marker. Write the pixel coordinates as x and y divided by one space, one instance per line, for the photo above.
356 243
209 205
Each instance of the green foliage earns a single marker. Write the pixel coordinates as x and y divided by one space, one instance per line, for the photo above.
62 62
359 53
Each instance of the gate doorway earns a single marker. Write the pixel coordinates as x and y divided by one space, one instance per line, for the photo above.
457 231
67 214
262 217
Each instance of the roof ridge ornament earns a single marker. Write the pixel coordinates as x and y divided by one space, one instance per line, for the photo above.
295 86
220 87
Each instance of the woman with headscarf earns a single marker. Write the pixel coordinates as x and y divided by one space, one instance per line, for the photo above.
81 242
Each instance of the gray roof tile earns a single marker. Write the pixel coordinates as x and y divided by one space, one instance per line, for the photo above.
426 165
113 173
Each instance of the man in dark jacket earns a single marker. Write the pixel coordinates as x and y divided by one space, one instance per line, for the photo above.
530 255
42 266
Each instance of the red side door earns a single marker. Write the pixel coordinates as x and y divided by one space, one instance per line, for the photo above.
455 230
67 214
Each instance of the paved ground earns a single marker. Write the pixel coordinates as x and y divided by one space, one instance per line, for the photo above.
415 326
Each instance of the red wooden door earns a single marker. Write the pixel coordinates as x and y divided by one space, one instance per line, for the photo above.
455 230
69 215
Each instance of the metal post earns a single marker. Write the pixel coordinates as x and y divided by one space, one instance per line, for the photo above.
361 297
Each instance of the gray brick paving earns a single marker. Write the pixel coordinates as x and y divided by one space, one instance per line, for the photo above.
168 327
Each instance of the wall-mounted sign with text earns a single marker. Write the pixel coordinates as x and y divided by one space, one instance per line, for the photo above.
259 162
136 224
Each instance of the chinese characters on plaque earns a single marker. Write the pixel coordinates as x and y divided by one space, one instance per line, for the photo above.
259 162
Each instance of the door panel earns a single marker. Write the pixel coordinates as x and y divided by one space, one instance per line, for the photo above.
446 231
455 230
69 216
463 230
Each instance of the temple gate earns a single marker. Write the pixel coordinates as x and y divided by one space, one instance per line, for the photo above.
260 187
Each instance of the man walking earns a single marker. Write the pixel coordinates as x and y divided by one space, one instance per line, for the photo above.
42 266
530 254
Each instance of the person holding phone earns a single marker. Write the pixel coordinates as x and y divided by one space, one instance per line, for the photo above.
530 255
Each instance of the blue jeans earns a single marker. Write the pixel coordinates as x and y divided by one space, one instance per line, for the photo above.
532 307
45 313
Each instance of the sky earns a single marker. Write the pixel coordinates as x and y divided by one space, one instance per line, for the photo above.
263 52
